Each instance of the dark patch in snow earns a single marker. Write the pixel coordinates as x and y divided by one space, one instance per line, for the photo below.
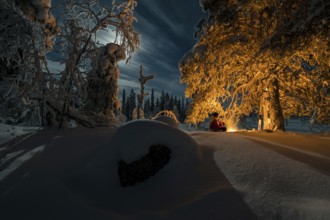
145 167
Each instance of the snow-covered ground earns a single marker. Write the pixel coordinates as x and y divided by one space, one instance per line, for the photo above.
72 174
274 186
9 132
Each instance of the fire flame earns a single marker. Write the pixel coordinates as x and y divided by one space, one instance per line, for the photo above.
231 130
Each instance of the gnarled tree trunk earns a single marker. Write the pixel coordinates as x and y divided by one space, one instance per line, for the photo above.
271 107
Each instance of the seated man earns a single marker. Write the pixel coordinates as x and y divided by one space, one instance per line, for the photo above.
215 124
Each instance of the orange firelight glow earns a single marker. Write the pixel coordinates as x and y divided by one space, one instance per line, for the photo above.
231 129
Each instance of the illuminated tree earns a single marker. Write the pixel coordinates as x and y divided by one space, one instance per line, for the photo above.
270 56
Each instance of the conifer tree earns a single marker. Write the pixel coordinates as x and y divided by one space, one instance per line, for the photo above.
162 101
158 107
123 102
152 104
132 103
146 108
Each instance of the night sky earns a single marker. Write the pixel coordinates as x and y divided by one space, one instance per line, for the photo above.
166 30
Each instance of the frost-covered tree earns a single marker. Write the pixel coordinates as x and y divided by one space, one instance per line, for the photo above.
90 76
102 82
272 56
26 33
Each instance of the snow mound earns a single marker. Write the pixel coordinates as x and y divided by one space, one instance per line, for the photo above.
131 142
133 139
167 120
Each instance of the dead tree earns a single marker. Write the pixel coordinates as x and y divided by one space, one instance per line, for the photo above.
143 80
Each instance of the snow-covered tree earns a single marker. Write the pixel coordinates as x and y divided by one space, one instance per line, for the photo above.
102 87
272 56
26 34
91 71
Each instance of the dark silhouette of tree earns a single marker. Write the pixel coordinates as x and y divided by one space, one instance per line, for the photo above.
123 102
152 104
147 108
158 106
132 104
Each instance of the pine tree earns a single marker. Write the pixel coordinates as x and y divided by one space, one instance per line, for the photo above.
152 104
146 108
167 101
158 107
178 104
171 103
127 108
123 102
162 101
132 104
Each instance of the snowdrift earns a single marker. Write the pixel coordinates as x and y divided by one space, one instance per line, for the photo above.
100 181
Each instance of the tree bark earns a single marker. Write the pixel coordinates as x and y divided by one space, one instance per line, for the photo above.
271 108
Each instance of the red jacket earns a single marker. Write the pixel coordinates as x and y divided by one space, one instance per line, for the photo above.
216 125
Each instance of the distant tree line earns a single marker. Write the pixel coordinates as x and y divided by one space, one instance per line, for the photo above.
153 105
